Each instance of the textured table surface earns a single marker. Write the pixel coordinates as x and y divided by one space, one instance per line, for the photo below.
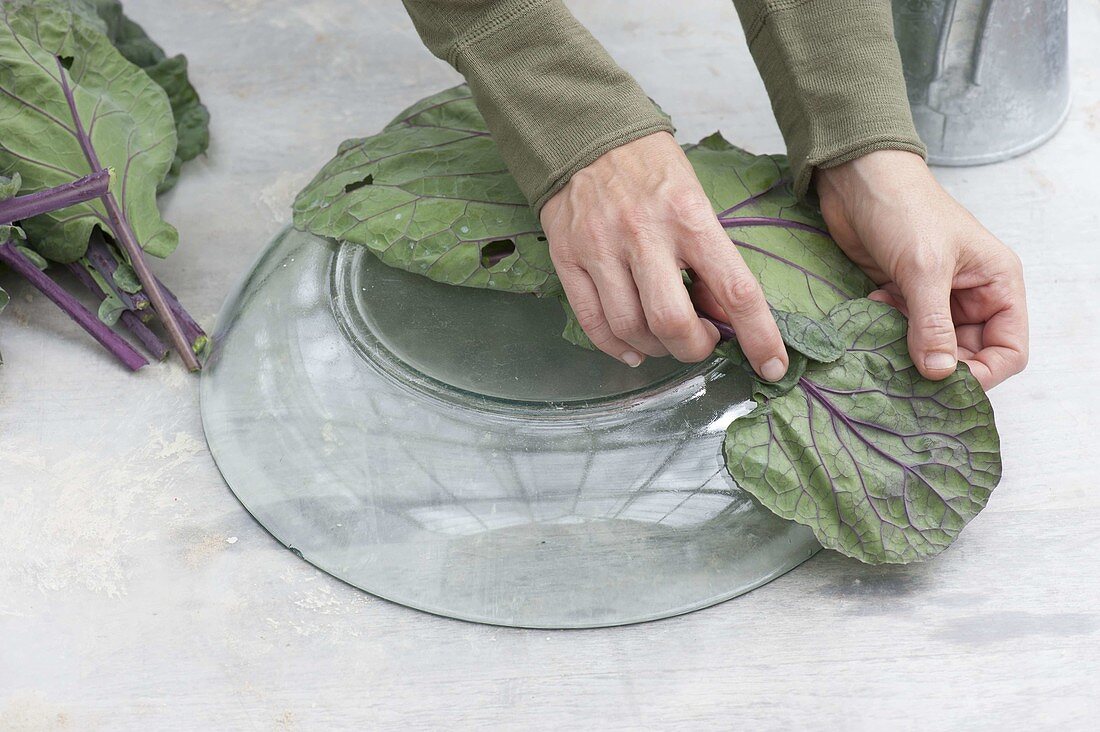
136 593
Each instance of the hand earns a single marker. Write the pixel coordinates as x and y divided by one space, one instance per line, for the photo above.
621 231
961 288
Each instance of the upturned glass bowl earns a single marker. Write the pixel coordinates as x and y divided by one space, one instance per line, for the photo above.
446 449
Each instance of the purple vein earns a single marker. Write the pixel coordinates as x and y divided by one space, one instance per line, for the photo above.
853 392
769 221
789 263
863 482
755 197
38 109
48 166
821 459
811 390
132 156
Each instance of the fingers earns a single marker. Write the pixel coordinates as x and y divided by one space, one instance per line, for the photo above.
998 308
623 309
932 343
969 338
1004 346
585 300
991 331
738 295
668 307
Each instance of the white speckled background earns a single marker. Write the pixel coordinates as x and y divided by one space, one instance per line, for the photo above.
124 604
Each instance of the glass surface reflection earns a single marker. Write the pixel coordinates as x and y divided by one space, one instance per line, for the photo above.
444 448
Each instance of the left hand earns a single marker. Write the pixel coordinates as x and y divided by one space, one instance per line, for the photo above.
960 287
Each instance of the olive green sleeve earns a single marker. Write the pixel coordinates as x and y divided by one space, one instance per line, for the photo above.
833 72
555 101
551 96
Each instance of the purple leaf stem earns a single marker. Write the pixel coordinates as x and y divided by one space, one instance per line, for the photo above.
146 337
83 189
191 328
725 331
110 340
125 236
141 300
104 262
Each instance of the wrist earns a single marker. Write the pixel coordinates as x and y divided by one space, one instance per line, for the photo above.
880 173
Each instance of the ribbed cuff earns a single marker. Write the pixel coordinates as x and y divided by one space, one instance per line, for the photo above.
833 72
552 97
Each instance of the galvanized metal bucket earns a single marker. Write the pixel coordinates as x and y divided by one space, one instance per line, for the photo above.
987 79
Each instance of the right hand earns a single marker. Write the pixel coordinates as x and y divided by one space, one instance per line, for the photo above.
621 231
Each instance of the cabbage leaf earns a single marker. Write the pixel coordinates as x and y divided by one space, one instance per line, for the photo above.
125 115
883 464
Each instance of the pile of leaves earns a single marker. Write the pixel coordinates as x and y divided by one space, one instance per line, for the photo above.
883 464
95 121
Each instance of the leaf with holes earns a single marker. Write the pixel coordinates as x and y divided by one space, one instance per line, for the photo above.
431 195
883 464
43 50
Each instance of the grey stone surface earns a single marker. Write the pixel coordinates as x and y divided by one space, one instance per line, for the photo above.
136 593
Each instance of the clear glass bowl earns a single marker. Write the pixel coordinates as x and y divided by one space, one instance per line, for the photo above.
446 449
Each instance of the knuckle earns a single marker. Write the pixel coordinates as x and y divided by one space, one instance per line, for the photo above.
691 208
626 327
634 222
741 291
668 322
937 324
591 320
696 216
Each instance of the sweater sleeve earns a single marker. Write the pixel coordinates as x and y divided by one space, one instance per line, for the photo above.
833 73
550 94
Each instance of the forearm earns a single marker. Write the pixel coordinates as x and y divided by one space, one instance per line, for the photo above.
552 97
833 72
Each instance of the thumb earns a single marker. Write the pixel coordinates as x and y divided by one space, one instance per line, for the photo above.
932 342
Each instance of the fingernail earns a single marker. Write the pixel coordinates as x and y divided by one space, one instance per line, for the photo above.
939 361
773 369
631 359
